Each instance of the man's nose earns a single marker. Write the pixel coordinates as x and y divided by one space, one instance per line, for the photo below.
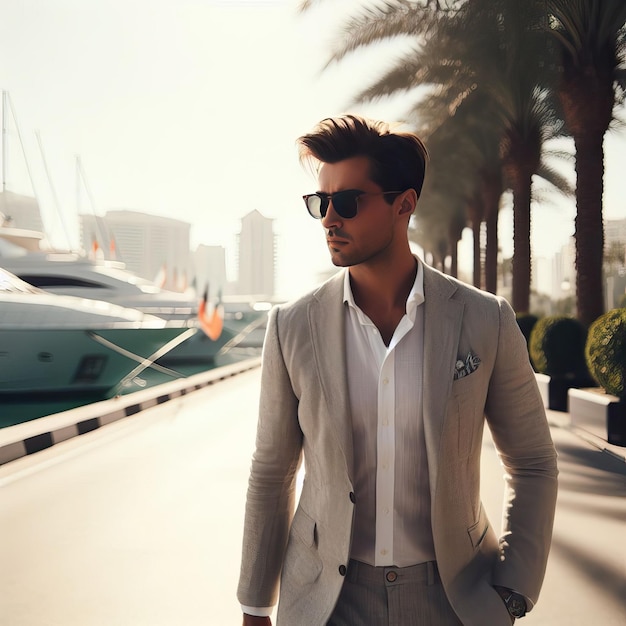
332 218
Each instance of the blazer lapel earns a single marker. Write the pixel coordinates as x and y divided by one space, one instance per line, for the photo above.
442 328
326 321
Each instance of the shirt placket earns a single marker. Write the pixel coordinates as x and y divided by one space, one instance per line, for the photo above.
385 462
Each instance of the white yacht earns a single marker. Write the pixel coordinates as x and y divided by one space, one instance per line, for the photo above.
53 345
73 274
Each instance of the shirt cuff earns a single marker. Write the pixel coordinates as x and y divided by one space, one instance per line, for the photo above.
258 611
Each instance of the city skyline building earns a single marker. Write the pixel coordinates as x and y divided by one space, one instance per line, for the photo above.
558 274
210 270
19 211
614 246
615 232
154 247
256 256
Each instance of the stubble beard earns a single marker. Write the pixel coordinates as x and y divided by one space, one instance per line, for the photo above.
341 258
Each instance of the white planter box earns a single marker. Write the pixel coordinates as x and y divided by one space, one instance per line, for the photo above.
554 390
599 413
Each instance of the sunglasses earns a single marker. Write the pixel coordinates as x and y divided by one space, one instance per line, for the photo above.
345 203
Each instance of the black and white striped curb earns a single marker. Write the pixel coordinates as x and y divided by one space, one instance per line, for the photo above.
36 435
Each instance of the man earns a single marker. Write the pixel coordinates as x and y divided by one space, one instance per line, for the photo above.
381 380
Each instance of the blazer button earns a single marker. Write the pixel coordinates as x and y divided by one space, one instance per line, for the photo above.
352 497
342 570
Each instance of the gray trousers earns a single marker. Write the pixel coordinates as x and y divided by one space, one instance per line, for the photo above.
393 596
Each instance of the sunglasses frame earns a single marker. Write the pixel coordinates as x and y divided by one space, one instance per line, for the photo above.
327 198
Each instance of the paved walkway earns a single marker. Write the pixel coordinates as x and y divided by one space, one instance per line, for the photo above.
585 580
139 523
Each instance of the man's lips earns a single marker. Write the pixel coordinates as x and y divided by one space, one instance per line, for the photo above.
335 242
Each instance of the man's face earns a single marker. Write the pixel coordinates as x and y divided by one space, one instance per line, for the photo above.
371 233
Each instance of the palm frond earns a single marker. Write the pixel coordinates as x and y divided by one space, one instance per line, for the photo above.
381 23
556 180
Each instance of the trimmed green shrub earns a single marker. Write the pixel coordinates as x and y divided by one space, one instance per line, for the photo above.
605 352
526 322
557 347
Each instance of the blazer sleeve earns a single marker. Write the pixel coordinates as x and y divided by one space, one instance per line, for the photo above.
517 419
272 484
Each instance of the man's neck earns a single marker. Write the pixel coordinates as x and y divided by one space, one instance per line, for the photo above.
381 292
388 284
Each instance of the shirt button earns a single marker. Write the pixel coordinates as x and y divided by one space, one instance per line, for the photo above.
385 422
385 381
342 570
391 577
383 551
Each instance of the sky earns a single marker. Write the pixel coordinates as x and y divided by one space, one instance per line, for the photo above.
190 109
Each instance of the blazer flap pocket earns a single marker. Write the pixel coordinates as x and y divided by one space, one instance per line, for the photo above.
305 528
478 530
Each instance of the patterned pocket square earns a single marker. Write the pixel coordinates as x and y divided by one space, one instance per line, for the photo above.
464 367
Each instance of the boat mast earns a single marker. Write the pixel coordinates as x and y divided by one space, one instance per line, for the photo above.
53 191
6 105
104 235
4 141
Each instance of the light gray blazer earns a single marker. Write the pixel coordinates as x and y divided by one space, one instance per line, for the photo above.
304 410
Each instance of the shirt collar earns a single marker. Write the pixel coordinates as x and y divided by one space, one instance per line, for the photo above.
415 298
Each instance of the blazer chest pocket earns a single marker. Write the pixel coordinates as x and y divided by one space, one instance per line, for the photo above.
302 562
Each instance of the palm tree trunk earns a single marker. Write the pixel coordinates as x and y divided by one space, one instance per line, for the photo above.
589 232
492 191
475 214
521 241
455 233
587 99
491 252
454 259
522 152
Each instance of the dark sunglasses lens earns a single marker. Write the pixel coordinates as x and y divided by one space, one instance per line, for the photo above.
345 203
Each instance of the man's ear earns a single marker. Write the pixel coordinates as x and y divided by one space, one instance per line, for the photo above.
408 202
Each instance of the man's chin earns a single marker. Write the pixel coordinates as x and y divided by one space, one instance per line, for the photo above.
339 262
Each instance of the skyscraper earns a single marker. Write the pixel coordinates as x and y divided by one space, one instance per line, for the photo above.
256 256
151 246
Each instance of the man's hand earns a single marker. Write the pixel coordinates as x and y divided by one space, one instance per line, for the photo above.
254 620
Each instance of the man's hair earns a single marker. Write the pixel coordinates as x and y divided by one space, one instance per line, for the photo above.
397 159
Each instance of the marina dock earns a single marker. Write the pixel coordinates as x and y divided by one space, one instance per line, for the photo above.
131 512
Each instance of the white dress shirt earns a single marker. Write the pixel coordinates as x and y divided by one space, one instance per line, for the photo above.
392 517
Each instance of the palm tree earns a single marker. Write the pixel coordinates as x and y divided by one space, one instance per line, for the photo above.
521 154
512 70
476 132
459 148
490 45
591 35
441 210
